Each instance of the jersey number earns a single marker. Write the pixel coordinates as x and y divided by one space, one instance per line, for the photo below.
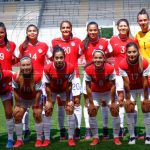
59 81
67 50
34 56
122 49
75 86
101 82
134 76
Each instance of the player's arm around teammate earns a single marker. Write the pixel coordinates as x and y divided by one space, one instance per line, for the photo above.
27 92
100 86
134 71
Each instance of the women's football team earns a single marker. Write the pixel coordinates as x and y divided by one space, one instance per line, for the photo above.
49 75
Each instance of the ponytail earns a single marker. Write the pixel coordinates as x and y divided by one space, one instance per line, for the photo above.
87 38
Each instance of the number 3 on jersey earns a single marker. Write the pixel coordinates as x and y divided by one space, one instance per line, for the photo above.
34 56
122 49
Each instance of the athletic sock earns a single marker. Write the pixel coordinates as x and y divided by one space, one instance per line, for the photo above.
18 128
130 123
121 115
47 127
86 117
105 111
10 128
116 126
94 127
61 116
147 124
71 125
78 115
38 128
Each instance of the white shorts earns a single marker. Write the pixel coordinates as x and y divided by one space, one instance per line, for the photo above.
99 97
43 95
43 89
26 103
7 96
119 83
76 86
135 93
61 95
84 86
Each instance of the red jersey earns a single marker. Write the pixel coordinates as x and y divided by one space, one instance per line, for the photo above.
100 79
5 82
38 54
101 44
133 72
26 92
58 79
71 48
119 50
6 55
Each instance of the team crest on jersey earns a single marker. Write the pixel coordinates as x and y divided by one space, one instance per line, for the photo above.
73 44
40 50
100 47
8 50
9 83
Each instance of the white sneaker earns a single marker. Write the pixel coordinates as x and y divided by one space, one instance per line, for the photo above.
132 141
147 140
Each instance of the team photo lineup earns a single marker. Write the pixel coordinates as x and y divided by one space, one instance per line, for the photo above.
49 74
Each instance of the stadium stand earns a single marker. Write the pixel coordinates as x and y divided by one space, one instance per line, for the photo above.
51 12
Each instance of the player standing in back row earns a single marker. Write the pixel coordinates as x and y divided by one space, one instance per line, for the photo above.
7 49
118 51
88 45
38 51
71 46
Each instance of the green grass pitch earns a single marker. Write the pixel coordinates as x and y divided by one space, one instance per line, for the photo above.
82 144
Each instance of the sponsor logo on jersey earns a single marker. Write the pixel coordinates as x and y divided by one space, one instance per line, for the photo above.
100 47
73 44
40 50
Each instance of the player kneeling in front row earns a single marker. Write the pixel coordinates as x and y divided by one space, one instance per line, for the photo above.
27 92
100 80
134 71
7 100
58 79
